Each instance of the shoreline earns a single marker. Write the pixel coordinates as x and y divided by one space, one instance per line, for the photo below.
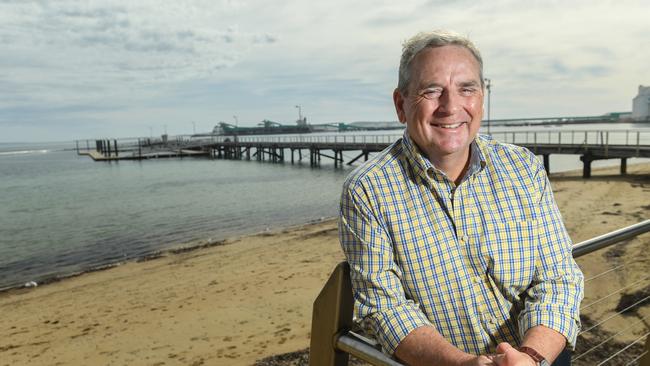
251 296
176 249
199 244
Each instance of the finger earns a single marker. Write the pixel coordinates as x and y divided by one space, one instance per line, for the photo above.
503 347
498 360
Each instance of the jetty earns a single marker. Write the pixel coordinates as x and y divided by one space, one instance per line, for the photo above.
590 145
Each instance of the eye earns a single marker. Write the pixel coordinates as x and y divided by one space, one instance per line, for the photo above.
431 93
468 90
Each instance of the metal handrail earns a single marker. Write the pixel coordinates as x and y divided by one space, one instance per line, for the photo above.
610 238
331 338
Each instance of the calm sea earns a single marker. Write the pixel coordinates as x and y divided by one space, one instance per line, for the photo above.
61 213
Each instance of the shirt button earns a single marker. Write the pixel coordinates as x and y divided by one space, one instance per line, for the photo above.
465 238
477 280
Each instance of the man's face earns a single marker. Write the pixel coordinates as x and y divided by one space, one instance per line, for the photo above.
444 104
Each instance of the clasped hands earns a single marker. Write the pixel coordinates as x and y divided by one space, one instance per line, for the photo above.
506 356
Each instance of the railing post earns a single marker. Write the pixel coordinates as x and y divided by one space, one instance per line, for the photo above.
332 315
645 360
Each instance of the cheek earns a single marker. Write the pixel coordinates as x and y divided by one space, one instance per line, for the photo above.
475 104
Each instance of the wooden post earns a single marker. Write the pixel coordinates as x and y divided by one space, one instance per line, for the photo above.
623 166
586 165
116 152
547 163
332 314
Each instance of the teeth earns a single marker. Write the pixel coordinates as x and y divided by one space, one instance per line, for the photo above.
451 126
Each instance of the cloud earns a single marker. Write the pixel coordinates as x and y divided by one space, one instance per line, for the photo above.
130 63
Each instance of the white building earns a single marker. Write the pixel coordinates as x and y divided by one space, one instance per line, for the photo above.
641 103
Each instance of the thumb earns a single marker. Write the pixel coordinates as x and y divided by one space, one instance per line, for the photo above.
504 347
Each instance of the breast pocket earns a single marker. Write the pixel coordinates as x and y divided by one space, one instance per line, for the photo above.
512 252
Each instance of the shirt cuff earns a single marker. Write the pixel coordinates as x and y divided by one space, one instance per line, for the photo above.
390 327
565 325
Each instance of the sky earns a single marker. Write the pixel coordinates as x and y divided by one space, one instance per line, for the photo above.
111 69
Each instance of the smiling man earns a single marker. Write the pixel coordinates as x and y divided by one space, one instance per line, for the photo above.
457 250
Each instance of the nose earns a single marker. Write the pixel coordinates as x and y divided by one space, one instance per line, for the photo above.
448 103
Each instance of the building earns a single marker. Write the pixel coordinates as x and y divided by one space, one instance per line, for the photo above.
641 104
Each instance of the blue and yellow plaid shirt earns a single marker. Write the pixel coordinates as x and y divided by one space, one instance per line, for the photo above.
482 262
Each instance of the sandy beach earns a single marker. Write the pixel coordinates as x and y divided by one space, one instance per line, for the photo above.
251 297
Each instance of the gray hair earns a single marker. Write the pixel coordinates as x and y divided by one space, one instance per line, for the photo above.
438 38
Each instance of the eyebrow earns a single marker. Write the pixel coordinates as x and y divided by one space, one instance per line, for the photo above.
468 83
461 84
431 85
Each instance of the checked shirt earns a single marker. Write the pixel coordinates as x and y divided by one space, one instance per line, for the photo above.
482 262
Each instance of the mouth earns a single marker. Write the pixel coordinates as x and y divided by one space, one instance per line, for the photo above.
450 126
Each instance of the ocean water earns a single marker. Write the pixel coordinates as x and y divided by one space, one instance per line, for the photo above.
61 213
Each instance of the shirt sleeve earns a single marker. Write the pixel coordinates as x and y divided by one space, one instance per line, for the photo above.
558 286
376 280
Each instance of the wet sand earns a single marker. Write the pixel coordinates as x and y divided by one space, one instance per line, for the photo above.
251 297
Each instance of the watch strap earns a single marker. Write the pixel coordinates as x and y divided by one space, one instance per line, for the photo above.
533 354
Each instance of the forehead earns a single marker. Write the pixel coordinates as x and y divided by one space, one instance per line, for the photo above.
446 63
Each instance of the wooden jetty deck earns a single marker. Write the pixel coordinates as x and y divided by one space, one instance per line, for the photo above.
589 145
99 156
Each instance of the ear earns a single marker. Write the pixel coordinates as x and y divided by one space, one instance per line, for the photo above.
398 100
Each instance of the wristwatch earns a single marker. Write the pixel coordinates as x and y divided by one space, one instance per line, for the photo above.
539 359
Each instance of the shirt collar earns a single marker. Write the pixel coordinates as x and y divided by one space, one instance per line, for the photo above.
423 166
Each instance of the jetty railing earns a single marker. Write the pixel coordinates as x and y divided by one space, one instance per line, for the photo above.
632 137
637 137
333 341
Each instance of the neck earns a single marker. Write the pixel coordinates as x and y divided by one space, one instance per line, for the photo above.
454 166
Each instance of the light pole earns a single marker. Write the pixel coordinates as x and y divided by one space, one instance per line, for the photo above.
299 113
488 86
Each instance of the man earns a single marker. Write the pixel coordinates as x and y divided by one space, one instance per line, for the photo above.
457 250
